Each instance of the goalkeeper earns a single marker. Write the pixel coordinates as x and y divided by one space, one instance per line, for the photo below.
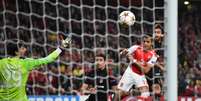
14 73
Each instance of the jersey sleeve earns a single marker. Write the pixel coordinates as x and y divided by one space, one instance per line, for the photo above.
31 63
152 60
132 49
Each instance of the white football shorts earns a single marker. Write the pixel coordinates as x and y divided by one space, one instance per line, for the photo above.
131 78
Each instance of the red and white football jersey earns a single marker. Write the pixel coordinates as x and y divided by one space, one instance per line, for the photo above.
144 57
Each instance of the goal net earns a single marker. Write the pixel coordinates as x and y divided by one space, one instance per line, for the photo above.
94 27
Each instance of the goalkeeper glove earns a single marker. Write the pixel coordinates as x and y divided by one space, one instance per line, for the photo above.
66 43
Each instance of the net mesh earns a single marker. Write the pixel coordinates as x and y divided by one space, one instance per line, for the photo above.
94 27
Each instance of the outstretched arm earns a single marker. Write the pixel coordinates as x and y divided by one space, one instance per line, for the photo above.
129 51
31 63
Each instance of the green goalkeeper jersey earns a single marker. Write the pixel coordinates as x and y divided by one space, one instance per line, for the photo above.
14 74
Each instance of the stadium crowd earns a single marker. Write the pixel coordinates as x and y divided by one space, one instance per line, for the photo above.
189 68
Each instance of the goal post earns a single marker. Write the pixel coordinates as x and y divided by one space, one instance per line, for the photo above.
171 26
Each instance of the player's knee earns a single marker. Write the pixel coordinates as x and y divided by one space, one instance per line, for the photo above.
120 94
145 94
123 93
144 91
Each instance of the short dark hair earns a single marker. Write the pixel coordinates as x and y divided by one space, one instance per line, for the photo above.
101 55
148 36
11 49
158 26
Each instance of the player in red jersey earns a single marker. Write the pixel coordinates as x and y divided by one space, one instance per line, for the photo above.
142 59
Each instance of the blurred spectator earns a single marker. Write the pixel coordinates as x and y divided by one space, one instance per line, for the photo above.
190 88
38 80
189 37
77 70
157 91
198 88
60 83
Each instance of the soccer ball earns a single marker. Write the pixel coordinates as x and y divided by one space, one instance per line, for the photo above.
127 18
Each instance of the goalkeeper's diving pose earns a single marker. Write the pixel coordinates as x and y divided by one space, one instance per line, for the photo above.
14 73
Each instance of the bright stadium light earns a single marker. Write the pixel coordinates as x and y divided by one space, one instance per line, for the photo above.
186 2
